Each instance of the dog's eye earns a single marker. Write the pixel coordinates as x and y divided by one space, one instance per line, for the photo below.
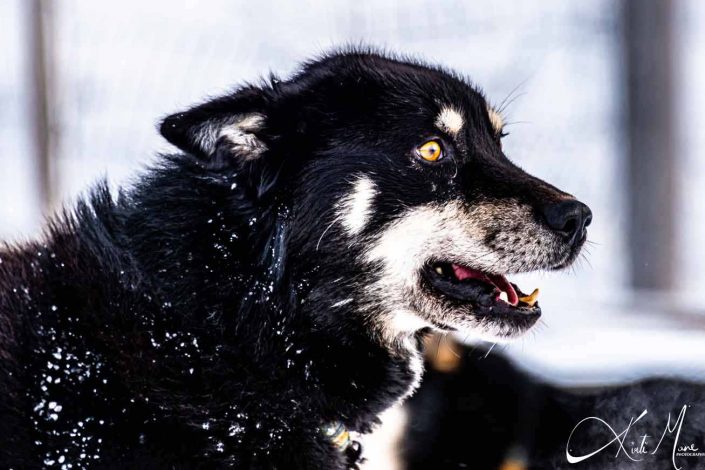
431 151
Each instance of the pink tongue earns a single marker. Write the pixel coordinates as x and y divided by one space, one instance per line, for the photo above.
499 281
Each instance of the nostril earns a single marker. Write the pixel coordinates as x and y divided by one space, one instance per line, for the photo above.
568 218
587 216
569 227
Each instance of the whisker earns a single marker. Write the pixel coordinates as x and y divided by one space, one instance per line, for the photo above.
490 350
584 258
325 231
511 123
445 336
506 101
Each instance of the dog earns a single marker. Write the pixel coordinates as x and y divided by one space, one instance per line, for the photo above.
256 297
477 409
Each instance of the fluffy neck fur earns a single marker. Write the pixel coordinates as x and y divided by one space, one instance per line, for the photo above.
232 248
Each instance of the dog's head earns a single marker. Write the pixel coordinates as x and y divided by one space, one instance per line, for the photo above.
402 210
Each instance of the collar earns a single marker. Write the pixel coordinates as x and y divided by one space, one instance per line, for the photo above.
337 434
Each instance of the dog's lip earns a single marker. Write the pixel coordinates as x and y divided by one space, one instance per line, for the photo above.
487 292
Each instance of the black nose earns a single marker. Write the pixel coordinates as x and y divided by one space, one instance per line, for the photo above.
568 218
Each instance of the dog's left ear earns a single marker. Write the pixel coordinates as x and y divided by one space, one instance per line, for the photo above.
223 131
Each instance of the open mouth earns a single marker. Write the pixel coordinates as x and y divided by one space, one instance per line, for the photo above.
488 294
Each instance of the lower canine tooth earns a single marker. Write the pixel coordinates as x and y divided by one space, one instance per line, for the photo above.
439 270
531 298
503 296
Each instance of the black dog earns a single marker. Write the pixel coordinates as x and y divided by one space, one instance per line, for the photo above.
256 297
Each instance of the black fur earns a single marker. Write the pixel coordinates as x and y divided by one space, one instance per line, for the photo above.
183 324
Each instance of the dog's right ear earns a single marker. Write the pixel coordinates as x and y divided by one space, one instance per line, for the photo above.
222 131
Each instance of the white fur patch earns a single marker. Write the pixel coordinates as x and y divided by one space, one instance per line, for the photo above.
426 231
422 233
383 445
417 366
495 119
450 120
354 209
399 329
406 323
417 369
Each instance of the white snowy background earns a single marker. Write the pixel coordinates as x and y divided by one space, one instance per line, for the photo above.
120 66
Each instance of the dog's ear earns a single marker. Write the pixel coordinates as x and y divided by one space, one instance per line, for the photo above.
222 131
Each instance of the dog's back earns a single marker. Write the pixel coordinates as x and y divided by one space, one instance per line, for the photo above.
55 299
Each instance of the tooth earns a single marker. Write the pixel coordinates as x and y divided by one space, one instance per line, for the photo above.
531 299
503 296
439 270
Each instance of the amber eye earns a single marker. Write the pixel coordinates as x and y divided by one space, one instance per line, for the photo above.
431 151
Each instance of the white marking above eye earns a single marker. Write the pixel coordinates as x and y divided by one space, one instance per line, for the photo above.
450 120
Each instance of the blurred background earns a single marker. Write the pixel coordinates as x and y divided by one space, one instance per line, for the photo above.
604 99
